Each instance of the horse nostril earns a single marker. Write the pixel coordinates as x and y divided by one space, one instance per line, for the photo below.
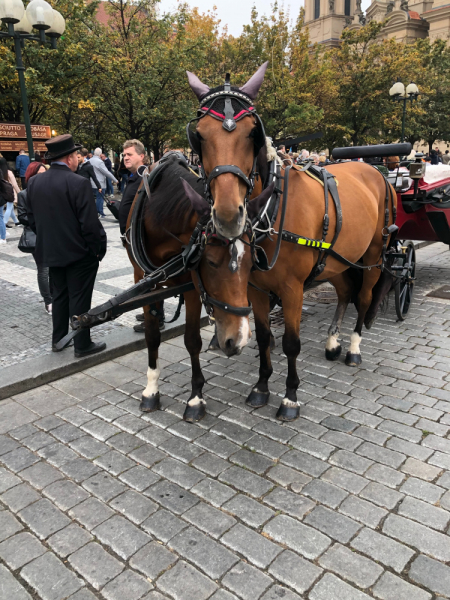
241 211
230 344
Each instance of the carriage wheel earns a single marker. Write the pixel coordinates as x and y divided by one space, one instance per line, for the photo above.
405 285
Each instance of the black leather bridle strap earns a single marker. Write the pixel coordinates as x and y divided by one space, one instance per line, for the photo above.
208 302
233 169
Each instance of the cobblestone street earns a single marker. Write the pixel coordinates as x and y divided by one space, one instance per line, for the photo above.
26 331
349 502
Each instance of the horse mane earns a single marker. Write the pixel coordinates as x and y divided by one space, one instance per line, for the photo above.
169 206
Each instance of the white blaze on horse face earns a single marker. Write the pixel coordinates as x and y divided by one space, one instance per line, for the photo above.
244 333
152 381
355 341
332 342
240 247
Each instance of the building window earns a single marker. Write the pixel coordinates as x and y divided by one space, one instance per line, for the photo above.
317 8
347 8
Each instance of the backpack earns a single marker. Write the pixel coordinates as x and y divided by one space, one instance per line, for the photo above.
6 192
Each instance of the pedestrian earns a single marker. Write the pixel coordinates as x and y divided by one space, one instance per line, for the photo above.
134 159
434 157
22 162
37 158
109 184
102 174
6 196
86 170
446 158
124 175
70 240
43 278
8 175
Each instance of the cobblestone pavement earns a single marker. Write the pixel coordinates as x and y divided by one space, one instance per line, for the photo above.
26 327
349 502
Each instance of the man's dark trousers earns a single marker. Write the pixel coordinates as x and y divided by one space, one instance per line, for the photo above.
24 183
72 294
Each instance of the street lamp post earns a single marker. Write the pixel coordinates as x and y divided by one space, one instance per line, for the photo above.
399 93
20 22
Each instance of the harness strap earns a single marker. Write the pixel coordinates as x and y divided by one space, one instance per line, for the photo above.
208 302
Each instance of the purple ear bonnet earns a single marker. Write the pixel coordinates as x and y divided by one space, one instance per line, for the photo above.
251 88
200 89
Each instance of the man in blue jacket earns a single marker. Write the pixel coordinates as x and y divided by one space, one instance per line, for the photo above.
22 162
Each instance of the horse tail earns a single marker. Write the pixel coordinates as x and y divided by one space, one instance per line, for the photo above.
380 297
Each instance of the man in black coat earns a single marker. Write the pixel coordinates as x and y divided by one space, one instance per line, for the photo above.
86 170
70 239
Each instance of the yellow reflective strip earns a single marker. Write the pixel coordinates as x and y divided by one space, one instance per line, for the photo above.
313 243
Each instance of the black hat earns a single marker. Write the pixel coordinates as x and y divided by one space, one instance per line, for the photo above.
60 146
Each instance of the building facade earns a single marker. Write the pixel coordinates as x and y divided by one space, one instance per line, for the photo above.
407 19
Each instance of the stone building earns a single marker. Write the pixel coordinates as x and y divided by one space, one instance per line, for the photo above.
408 19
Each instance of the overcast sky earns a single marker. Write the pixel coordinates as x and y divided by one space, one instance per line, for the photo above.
236 13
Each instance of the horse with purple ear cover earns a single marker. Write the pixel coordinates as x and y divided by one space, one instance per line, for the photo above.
251 88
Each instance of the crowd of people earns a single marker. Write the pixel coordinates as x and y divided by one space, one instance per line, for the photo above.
60 207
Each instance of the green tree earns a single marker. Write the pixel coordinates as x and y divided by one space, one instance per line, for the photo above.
364 69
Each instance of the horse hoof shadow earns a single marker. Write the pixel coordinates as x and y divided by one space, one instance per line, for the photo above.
288 413
257 399
333 354
150 403
352 360
193 414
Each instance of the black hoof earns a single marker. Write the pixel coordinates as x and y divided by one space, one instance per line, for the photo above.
214 344
257 399
150 404
333 354
193 414
352 360
288 413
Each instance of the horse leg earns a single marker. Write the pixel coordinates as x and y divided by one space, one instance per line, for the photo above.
343 286
370 278
292 309
259 396
150 396
195 408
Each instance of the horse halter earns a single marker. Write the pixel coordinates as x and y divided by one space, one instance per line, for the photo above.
229 106
208 302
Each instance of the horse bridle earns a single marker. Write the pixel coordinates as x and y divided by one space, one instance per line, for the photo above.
229 120
208 302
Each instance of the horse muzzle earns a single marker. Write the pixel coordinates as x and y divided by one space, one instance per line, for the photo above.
230 228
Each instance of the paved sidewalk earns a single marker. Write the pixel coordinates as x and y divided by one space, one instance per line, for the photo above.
349 502
26 327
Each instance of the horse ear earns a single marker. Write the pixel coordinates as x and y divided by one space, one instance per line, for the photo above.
198 203
200 89
255 205
251 88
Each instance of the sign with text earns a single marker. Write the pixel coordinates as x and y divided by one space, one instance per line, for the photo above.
12 146
17 131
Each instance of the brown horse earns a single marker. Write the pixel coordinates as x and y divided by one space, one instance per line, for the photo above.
169 221
362 191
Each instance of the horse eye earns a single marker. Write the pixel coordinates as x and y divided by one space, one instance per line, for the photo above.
211 263
253 133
